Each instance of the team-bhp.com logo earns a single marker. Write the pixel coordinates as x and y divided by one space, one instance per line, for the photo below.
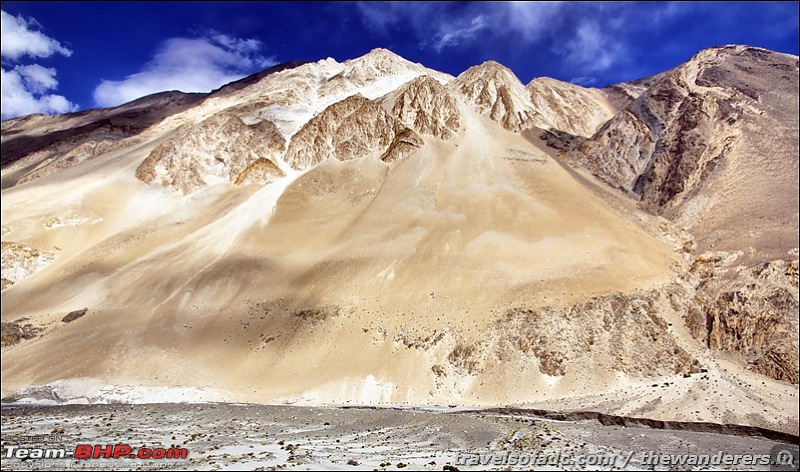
96 451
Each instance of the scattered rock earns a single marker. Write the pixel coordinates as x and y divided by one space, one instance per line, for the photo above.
14 332
74 315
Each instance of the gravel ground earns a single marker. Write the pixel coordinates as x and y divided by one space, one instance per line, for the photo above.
221 436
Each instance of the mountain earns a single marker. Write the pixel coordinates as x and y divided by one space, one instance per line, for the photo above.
570 108
709 145
374 231
46 144
712 145
496 92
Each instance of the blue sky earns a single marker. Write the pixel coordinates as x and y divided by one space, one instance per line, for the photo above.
69 56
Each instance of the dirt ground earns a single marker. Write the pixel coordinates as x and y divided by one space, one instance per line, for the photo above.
224 436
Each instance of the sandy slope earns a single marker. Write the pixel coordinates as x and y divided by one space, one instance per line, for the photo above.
355 281
442 234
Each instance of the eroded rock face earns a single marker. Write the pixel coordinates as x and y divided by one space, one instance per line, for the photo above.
627 331
352 128
569 108
427 107
666 143
753 314
712 145
662 141
215 150
497 93
261 171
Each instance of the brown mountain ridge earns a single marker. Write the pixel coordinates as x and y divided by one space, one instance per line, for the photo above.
374 231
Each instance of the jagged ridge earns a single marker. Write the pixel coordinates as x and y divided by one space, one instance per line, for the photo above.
352 128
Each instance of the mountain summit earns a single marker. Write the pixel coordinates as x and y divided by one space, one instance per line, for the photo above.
374 231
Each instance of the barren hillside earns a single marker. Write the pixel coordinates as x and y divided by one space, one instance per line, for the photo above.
374 231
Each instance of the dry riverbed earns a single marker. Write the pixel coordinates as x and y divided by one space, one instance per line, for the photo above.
219 436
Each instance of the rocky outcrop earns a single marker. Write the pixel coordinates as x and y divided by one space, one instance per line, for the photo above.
13 332
497 93
626 331
427 107
215 150
20 261
261 171
74 315
667 142
352 128
569 108
405 142
752 313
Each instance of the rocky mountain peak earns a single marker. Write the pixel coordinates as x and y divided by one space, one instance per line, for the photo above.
489 69
377 65
497 93
383 55
426 106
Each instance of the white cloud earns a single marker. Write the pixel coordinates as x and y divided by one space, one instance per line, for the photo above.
586 35
591 49
188 65
531 20
379 16
444 24
452 36
583 81
38 79
17 39
25 87
23 92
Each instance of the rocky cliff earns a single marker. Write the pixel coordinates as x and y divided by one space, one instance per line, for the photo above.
713 146
352 128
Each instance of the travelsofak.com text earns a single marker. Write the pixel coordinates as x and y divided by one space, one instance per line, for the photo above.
534 459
